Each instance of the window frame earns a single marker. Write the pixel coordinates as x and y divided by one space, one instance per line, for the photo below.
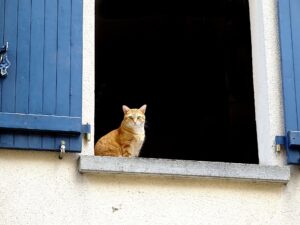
267 93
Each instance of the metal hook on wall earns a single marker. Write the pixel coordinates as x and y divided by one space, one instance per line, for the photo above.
62 149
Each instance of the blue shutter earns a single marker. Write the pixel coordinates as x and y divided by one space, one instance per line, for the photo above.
289 28
41 97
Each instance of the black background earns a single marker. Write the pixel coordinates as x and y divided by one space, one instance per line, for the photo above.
190 62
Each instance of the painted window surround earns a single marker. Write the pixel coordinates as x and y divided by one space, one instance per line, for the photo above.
268 105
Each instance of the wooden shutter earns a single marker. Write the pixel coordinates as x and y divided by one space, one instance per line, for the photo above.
289 28
41 97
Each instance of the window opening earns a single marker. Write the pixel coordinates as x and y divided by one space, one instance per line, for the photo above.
205 111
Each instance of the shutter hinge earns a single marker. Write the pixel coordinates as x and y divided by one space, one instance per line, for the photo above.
280 142
86 129
291 140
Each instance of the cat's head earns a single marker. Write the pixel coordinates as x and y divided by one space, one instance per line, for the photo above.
134 118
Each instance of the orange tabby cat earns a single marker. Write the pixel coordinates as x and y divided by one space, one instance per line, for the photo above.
128 139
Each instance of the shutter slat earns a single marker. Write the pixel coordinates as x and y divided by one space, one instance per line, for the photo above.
50 61
2 14
36 65
63 62
76 65
10 35
44 123
287 66
295 25
23 56
289 35
63 58
36 57
76 56
9 83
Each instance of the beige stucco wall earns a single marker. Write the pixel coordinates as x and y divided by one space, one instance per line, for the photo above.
38 188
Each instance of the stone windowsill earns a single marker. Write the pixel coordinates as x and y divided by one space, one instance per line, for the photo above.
183 168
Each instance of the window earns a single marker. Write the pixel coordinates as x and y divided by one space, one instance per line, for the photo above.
268 113
205 111
41 96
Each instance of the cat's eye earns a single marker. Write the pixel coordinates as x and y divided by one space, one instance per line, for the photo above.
139 117
130 117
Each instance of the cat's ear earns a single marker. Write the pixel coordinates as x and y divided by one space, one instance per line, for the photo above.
143 108
125 109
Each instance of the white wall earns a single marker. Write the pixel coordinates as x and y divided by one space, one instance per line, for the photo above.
38 188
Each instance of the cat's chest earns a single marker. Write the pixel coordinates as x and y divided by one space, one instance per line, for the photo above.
137 138
133 139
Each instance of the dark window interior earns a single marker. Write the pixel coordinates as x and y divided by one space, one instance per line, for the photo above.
190 62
